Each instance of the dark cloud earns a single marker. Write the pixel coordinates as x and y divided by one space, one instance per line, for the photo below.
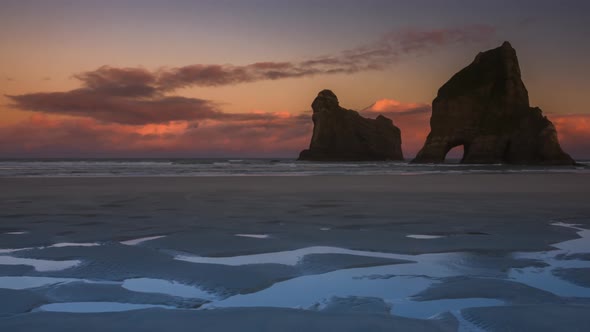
130 111
116 109
125 82
376 56
142 82
138 96
218 75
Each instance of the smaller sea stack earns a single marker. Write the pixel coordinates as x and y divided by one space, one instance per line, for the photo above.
340 134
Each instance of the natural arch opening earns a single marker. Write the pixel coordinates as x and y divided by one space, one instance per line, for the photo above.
455 154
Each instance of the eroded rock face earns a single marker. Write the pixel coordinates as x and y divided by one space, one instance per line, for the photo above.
485 107
344 135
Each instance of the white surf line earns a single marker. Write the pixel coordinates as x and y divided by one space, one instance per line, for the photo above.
24 282
254 236
56 245
41 265
290 257
16 233
72 244
134 242
11 250
567 225
325 229
424 236
27 282
97 307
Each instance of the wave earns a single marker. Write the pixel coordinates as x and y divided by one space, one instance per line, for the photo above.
254 167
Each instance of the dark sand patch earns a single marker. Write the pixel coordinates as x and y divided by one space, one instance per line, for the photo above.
538 318
15 270
246 319
466 287
578 276
322 263
19 301
355 304
84 292
579 256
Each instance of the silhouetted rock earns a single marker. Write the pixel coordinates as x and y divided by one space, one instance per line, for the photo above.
485 107
344 135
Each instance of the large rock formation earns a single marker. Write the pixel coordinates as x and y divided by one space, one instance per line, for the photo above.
485 107
344 135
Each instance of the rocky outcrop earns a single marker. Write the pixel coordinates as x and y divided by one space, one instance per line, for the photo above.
485 107
344 135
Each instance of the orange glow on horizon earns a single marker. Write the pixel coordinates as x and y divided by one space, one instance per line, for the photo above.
279 133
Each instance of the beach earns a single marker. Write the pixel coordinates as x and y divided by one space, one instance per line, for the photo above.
432 252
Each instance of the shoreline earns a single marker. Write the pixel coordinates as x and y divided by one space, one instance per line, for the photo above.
254 242
441 182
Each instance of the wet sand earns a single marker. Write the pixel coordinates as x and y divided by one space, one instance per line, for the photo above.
447 237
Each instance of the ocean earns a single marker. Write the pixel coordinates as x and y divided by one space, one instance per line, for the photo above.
251 167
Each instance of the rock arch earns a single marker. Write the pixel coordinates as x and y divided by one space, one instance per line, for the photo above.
485 107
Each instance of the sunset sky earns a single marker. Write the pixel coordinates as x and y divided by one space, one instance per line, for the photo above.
236 78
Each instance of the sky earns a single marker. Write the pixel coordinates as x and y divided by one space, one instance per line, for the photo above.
236 78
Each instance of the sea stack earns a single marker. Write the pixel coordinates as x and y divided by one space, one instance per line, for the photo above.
485 107
340 134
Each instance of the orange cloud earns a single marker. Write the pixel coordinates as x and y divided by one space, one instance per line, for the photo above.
412 118
573 131
396 106
47 136
279 134
414 121
176 127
